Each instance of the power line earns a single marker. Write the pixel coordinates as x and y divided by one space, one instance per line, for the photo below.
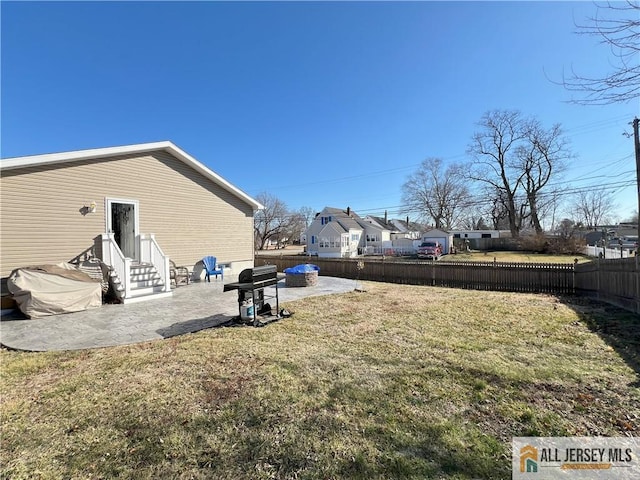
611 186
608 165
580 129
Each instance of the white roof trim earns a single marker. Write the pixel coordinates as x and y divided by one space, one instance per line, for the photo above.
333 226
169 147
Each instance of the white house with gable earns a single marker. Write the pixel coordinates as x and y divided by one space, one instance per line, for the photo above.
337 233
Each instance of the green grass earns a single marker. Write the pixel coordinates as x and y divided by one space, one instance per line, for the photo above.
397 382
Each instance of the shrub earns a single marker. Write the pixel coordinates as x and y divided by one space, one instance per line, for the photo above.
553 245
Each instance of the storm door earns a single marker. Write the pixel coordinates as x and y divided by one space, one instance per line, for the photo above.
122 221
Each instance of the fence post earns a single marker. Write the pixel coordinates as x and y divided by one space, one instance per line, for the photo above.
598 278
637 285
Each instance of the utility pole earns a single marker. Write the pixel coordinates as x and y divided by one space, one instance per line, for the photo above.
636 140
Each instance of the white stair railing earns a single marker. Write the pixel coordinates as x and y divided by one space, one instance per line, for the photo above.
150 252
112 255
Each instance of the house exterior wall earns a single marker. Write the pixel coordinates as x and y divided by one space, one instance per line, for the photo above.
355 240
318 230
312 238
311 247
330 241
190 215
312 234
475 234
405 230
374 236
408 235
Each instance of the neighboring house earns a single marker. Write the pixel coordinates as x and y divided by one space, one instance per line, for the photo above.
382 223
625 230
402 234
145 203
336 233
406 229
377 235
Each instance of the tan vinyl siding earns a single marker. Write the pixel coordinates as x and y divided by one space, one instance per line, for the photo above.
190 215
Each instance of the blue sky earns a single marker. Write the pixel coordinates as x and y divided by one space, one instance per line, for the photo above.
318 103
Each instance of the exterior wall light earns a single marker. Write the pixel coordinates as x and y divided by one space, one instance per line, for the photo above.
91 208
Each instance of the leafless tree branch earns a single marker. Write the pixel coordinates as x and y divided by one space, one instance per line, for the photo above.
622 33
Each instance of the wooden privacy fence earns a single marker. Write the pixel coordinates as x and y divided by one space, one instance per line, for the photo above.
503 276
614 281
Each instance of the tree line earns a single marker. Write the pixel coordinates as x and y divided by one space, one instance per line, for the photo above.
506 183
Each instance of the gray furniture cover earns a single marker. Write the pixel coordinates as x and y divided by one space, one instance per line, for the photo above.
51 289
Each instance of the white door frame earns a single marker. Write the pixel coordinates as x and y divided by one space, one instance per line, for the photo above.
136 216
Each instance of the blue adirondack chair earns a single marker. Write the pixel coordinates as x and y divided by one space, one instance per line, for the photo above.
210 268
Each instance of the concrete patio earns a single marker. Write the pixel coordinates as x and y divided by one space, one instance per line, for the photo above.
192 308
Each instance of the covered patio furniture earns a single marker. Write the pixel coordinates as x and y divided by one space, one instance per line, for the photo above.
211 268
52 289
178 275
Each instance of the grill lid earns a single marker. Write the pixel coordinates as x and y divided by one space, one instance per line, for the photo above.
258 274
246 276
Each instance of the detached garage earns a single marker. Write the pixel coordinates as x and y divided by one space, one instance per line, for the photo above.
444 238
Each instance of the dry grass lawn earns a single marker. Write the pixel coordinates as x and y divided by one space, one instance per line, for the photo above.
515 256
398 382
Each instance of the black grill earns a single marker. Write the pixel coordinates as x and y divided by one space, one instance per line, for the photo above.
251 283
259 276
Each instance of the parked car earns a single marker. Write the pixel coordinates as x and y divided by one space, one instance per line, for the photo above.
430 250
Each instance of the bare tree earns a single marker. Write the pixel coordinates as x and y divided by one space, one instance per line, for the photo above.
618 26
474 215
592 207
485 211
497 212
296 225
566 228
271 222
473 222
548 206
436 193
515 158
493 152
542 155
309 214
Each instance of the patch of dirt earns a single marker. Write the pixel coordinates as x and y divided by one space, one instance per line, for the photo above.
586 410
